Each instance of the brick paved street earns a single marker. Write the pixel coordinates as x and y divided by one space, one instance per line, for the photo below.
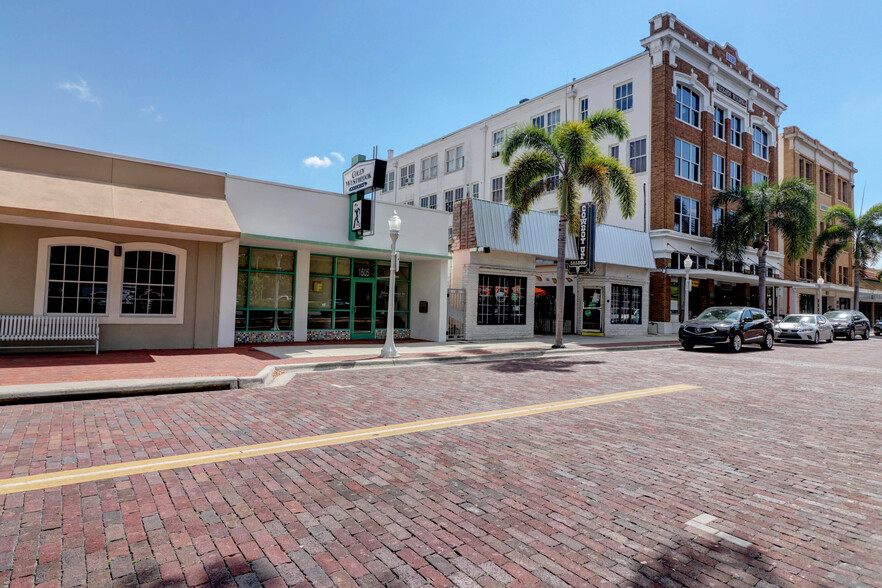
782 448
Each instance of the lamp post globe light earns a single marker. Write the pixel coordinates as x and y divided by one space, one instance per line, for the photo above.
687 265
820 285
389 349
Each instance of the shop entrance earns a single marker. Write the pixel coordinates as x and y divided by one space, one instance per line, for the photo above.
363 309
545 307
592 310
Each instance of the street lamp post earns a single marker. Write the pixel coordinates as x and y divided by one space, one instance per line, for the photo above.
820 285
687 265
389 349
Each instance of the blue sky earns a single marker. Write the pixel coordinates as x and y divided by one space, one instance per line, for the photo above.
258 88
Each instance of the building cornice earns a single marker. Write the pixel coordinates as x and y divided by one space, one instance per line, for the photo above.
666 38
795 134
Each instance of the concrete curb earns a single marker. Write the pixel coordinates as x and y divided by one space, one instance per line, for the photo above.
76 390
275 375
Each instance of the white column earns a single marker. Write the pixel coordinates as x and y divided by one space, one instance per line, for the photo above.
226 322
301 294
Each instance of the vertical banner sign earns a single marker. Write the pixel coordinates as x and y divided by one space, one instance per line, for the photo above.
362 177
586 238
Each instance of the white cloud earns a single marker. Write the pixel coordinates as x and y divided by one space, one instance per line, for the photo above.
338 156
316 161
151 112
81 91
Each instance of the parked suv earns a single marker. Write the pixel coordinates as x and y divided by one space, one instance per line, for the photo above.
849 324
730 326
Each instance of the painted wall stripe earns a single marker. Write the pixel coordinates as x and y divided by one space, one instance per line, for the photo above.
103 472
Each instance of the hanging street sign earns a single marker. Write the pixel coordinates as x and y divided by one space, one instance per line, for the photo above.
364 176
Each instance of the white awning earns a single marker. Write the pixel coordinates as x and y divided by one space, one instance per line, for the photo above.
539 232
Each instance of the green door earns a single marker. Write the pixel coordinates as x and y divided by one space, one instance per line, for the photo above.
363 300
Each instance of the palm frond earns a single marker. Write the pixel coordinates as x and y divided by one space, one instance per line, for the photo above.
791 207
832 234
527 197
621 183
609 121
841 215
872 219
729 239
833 251
574 141
527 137
527 169
732 196
593 175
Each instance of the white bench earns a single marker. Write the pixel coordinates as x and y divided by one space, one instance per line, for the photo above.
17 327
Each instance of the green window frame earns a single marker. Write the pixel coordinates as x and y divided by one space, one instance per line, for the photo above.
254 313
335 275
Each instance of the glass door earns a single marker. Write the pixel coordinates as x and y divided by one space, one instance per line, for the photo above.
592 310
363 297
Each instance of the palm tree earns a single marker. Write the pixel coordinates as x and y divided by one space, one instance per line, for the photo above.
845 230
570 153
788 208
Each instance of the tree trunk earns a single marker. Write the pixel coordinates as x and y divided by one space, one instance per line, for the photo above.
561 297
857 287
761 270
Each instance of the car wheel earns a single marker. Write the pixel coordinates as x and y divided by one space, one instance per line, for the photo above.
851 335
736 343
866 334
832 338
688 346
768 342
816 339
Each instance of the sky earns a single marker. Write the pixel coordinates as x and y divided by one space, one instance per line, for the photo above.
289 91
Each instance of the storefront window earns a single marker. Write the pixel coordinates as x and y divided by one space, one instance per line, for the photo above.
78 277
331 283
626 305
502 300
265 290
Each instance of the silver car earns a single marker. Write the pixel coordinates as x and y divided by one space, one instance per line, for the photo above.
804 327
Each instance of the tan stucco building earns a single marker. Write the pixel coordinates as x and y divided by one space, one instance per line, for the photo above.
140 244
802 156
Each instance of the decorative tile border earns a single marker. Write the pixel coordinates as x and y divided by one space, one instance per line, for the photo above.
399 334
327 335
244 337
264 336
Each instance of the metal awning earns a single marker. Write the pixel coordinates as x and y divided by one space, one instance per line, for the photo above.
618 246
741 278
539 232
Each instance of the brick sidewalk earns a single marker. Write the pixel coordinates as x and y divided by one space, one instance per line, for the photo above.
240 361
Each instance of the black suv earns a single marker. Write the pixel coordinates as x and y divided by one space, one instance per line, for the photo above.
849 324
732 326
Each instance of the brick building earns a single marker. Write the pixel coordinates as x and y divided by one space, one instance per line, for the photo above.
714 126
701 121
800 155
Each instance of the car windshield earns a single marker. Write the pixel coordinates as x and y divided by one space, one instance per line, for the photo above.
720 314
799 318
838 315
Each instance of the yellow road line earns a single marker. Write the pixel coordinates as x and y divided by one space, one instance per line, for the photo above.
90 474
